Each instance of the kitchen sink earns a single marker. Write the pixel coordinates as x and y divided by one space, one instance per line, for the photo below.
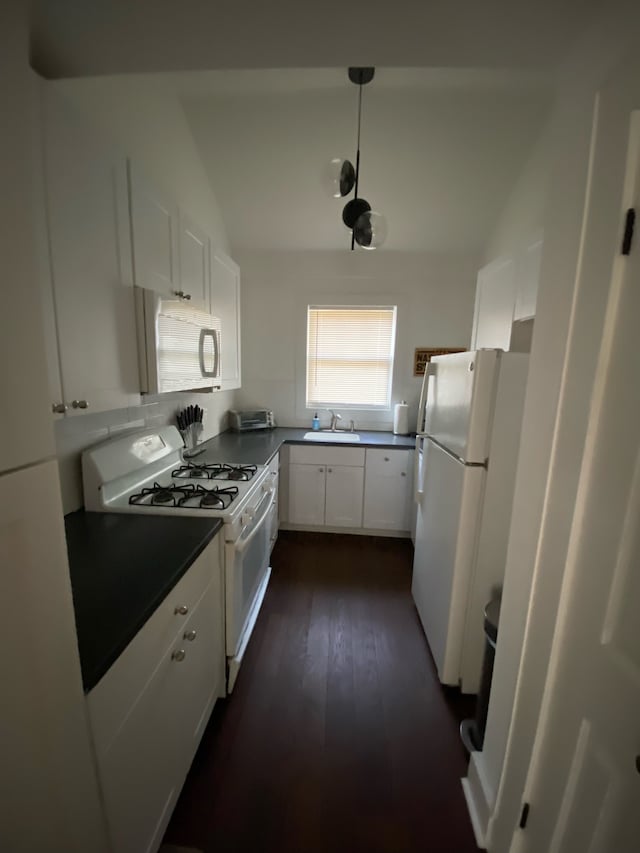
327 435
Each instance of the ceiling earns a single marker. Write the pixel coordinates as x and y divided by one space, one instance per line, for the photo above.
76 37
441 150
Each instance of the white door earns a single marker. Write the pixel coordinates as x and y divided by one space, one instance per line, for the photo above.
460 402
387 490
446 534
495 302
90 250
225 303
584 784
528 272
194 261
343 502
154 226
306 494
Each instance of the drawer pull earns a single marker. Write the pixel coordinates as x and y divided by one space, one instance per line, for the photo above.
179 655
182 610
403 474
386 458
190 635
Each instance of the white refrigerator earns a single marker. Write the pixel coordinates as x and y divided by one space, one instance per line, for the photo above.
467 440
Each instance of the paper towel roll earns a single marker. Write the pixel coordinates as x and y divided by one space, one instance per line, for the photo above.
401 419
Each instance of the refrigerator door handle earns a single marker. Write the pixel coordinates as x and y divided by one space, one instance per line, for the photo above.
429 371
418 469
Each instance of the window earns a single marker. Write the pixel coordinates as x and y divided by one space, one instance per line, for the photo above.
350 356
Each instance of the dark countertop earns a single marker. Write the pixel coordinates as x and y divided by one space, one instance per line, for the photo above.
259 446
122 567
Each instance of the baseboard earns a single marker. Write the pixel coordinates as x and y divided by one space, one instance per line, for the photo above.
353 531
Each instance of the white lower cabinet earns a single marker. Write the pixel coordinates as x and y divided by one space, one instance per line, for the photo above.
306 494
326 486
149 711
353 488
387 490
343 496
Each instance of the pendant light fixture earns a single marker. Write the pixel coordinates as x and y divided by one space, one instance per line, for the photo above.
368 228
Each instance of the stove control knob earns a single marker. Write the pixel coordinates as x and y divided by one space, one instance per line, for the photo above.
190 635
179 655
182 610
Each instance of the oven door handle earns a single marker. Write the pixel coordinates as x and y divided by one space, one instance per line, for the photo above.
242 544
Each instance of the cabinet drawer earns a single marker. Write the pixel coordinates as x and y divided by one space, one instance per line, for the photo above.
388 461
302 455
111 699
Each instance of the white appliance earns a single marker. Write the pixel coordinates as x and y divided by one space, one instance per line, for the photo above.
145 472
178 344
468 435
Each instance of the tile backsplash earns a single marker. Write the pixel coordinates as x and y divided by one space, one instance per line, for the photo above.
75 434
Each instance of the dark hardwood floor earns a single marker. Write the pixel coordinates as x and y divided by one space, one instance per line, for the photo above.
338 736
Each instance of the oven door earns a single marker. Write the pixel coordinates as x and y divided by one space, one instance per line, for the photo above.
247 574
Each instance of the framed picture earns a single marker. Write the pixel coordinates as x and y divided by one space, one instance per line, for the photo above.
423 356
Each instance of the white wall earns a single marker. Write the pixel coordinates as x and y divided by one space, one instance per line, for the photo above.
523 214
144 117
573 290
434 295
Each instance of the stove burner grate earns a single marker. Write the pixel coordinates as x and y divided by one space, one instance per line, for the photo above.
188 496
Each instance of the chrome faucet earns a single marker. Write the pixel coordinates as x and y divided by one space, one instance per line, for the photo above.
335 417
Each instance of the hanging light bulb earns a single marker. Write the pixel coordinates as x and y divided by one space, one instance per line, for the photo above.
339 178
370 230
353 210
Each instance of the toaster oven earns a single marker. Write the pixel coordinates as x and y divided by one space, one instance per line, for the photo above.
251 419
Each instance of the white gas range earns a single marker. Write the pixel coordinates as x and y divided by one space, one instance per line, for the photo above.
146 472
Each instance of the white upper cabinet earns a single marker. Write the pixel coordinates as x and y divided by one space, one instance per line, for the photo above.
90 264
225 303
495 301
154 227
528 275
194 261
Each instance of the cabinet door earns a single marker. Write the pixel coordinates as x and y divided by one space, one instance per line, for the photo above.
495 302
90 252
387 490
194 261
154 226
225 303
528 276
343 505
306 494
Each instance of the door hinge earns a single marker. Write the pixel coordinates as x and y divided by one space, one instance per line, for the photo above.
629 225
524 816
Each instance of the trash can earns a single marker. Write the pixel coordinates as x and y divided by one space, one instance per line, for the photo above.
472 731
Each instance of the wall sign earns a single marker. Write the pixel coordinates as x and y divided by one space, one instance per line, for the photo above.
424 355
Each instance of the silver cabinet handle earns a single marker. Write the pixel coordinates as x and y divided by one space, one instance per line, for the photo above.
190 635
59 408
181 294
179 655
80 404
186 295
181 610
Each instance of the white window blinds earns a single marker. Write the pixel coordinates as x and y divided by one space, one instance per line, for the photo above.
350 356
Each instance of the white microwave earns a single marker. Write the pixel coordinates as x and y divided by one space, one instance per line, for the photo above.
178 344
